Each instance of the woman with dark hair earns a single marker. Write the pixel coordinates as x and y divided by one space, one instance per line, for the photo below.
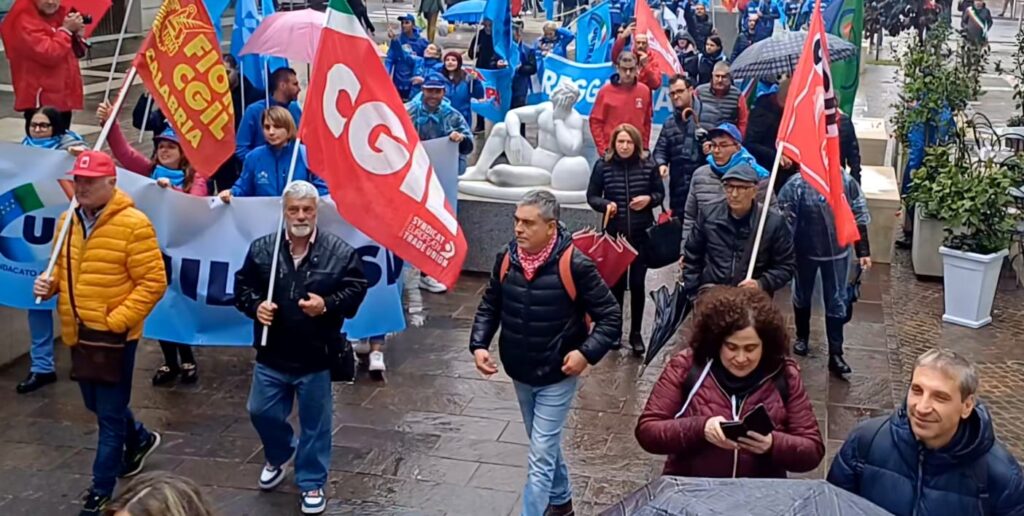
171 169
45 128
738 361
626 186
710 56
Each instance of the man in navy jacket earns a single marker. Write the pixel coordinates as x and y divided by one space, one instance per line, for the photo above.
938 454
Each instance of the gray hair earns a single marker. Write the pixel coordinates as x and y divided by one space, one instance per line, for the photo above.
549 25
953 364
545 201
721 66
301 190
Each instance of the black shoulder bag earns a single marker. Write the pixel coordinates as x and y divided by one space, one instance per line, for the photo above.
98 356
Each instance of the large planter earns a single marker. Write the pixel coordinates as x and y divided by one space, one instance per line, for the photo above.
970 286
924 252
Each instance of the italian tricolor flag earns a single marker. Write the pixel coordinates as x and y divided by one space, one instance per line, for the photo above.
360 140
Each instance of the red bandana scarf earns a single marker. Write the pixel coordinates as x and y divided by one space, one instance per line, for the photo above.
532 261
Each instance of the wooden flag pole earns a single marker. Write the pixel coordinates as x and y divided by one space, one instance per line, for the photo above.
277 237
764 210
117 51
70 213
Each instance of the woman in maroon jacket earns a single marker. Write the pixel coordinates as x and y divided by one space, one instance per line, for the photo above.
738 361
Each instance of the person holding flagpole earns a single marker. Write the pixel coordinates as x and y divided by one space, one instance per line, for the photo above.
284 84
320 283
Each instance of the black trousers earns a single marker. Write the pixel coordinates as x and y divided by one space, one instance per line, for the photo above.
171 352
634 279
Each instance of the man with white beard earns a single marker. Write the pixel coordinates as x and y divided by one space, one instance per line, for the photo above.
320 283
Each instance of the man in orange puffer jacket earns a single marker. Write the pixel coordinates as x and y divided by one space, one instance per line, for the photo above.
116 275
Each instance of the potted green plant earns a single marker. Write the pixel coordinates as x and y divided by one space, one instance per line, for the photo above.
970 195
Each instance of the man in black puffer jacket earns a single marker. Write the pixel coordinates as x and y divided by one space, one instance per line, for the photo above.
320 283
539 293
678 151
719 246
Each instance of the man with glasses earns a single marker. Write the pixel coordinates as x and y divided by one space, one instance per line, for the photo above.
722 102
679 152
622 101
718 250
724 152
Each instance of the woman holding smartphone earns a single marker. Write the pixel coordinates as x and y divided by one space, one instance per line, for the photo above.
737 369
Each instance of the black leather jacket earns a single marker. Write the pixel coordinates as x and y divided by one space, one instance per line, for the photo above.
297 343
718 248
539 323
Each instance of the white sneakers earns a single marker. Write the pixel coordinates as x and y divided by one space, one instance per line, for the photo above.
432 285
271 476
314 502
377 361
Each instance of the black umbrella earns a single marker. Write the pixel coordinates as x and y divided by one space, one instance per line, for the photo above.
769 58
669 311
682 496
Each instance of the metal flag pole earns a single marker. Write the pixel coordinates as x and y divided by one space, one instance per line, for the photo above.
145 117
764 210
277 239
117 51
70 213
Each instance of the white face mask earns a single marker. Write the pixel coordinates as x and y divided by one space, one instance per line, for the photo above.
300 230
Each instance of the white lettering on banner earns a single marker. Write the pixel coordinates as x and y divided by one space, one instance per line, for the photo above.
661 100
383 152
588 89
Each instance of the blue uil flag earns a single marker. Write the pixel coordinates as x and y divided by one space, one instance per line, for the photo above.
593 35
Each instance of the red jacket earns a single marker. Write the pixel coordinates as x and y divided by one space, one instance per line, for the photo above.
44 68
797 444
650 74
617 104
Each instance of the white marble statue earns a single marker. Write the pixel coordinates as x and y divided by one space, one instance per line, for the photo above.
557 164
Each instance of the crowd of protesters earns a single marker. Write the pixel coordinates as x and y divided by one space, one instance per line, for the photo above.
555 314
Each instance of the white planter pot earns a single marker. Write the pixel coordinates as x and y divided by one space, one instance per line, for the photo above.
970 286
924 252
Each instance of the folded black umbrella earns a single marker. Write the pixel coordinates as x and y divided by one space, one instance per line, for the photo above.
681 496
670 309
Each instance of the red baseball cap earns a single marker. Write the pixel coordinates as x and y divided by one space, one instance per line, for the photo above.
92 163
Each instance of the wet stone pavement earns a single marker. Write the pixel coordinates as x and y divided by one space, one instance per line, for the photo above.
440 439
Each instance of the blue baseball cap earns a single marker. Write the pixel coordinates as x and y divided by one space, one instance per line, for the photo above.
167 135
434 81
407 17
726 129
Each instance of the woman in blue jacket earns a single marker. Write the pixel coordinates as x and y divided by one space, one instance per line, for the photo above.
265 171
460 87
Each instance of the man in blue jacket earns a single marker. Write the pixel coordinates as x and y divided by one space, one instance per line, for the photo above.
938 454
404 53
284 93
526 69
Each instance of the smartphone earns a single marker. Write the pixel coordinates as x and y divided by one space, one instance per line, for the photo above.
733 430
759 421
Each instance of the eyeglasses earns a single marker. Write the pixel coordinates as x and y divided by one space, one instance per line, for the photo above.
40 125
631 69
723 146
733 188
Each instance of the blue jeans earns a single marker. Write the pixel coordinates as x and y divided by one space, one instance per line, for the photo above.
833 283
545 410
40 327
462 163
270 403
119 432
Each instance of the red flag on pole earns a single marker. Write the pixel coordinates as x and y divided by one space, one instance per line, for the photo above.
361 141
809 132
180 62
661 49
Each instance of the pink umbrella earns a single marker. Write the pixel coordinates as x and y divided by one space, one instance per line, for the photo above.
293 35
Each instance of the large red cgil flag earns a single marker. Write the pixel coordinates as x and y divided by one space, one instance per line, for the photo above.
660 48
361 141
809 131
